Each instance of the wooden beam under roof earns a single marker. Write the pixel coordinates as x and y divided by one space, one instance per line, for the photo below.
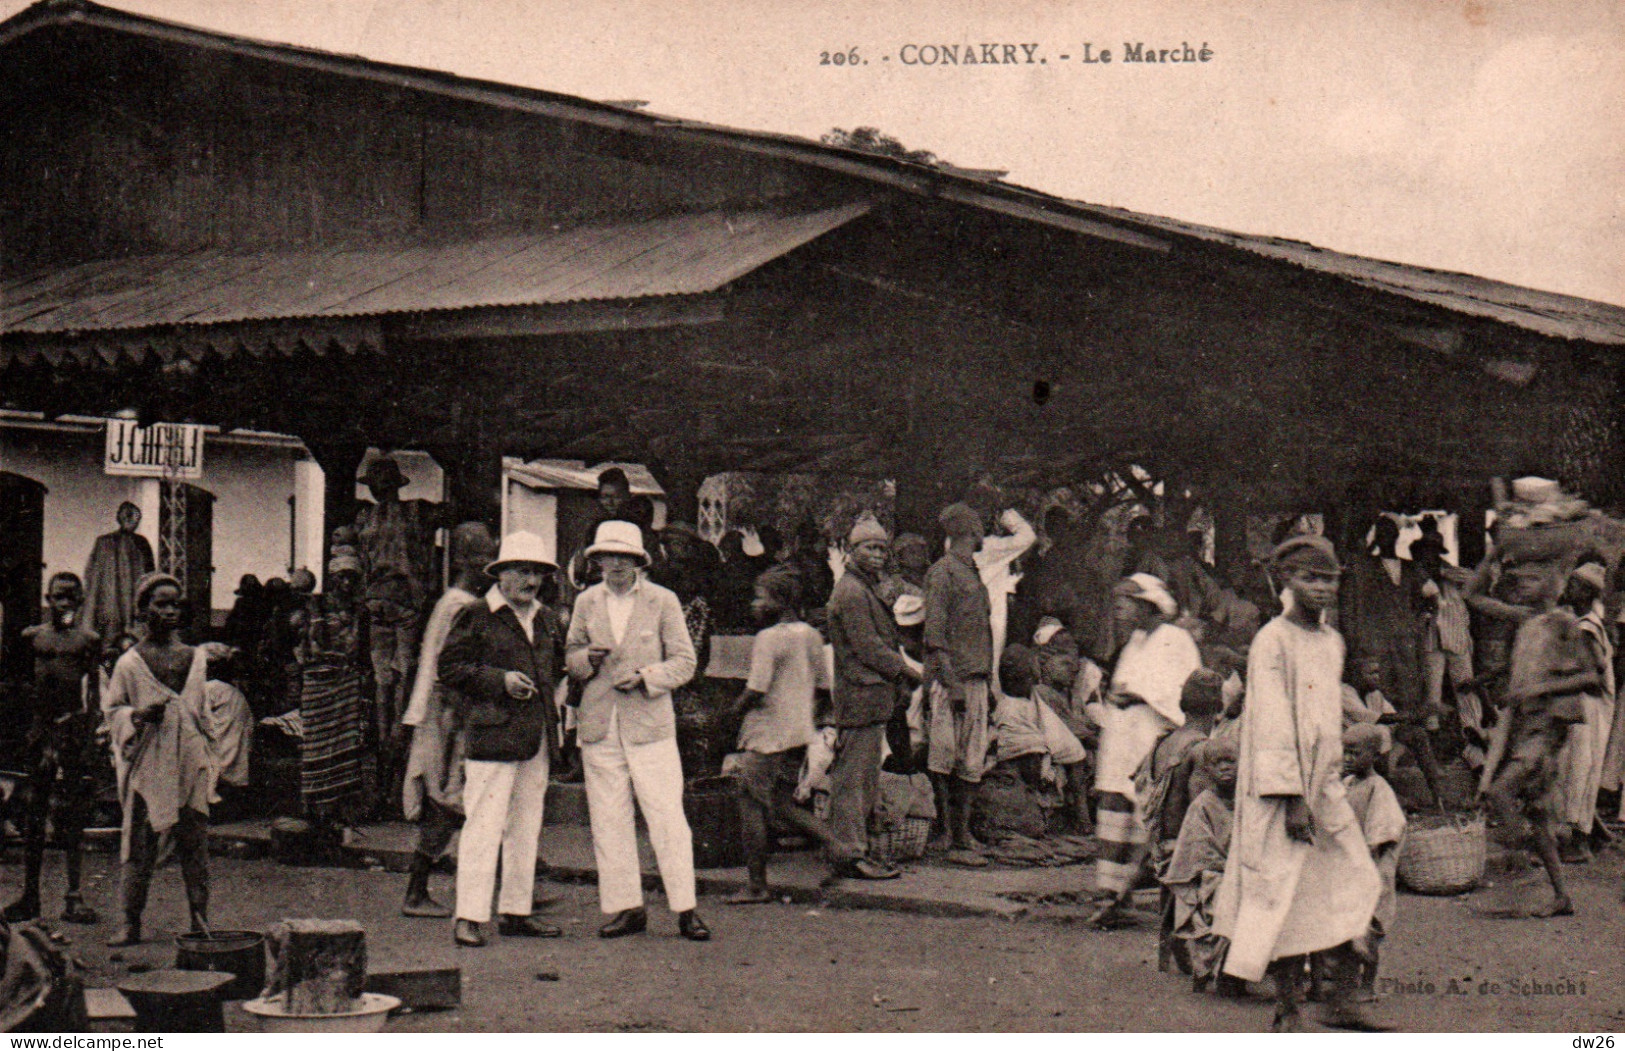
616 315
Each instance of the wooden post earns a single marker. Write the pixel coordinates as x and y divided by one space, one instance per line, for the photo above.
318 966
339 461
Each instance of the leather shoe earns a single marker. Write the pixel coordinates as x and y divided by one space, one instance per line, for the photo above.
526 927
690 926
467 933
627 921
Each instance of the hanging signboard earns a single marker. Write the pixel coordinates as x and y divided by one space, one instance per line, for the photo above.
163 450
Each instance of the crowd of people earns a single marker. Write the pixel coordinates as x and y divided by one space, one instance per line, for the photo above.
1231 742
1244 766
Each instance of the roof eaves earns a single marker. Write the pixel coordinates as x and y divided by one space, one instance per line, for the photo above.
506 96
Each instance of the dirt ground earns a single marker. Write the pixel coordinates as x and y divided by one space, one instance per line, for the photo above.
795 967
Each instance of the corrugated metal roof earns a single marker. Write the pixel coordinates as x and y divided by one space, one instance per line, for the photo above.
675 255
1548 313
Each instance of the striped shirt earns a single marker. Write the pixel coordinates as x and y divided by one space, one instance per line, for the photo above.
1451 627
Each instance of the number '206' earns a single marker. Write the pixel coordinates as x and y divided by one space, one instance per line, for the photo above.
849 57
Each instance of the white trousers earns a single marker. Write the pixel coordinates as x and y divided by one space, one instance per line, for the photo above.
503 802
618 773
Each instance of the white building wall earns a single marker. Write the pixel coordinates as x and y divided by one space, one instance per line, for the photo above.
254 531
254 527
80 502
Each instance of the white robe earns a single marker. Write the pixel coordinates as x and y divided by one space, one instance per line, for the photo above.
171 763
230 726
994 564
1153 666
434 765
1280 897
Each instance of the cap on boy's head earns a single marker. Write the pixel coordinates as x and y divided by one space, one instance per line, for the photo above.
613 476
960 520
783 586
1367 735
1307 551
866 529
1203 693
1018 670
908 610
152 582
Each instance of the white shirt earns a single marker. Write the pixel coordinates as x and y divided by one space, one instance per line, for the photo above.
527 617
998 552
619 608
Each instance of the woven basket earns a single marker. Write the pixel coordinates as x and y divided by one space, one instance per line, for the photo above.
902 844
1443 858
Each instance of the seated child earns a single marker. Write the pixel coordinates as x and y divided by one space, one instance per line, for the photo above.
1030 733
1169 779
787 670
1197 866
1068 681
1363 700
1383 823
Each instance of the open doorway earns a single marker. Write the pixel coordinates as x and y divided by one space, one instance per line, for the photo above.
22 565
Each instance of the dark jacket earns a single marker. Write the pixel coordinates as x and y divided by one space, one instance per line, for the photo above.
868 666
483 646
958 622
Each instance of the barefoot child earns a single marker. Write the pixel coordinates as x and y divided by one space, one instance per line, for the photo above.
1165 785
1383 823
1197 866
787 671
1551 669
61 736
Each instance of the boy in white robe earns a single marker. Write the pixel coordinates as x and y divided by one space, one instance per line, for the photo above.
1299 879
